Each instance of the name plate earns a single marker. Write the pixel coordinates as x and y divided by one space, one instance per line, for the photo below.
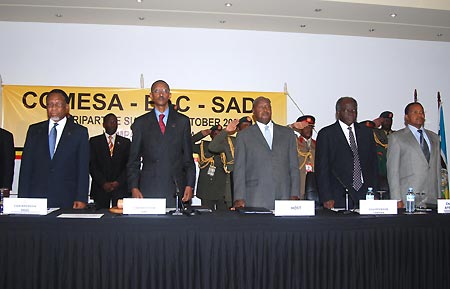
25 206
149 206
378 207
294 208
443 206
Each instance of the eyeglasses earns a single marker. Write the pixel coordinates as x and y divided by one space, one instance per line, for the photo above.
57 105
156 91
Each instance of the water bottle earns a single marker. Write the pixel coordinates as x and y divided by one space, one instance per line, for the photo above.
370 195
1 203
410 201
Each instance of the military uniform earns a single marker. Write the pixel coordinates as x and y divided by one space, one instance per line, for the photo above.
224 143
212 181
381 141
306 150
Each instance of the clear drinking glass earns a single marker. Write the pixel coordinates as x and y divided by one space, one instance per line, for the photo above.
421 201
380 194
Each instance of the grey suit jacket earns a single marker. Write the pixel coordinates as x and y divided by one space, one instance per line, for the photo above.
407 166
261 175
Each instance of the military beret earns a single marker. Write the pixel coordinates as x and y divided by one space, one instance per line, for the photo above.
245 119
368 123
216 127
387 114
309 118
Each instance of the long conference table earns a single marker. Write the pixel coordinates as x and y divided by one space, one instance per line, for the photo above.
225 250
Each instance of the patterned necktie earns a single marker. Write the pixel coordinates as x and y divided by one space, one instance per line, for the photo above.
357 180
267 136
424 146
110 145
52 140
162 126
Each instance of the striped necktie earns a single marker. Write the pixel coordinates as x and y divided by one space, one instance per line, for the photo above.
357 179
110 145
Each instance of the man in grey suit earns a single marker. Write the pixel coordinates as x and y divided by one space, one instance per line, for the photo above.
266 163
413 158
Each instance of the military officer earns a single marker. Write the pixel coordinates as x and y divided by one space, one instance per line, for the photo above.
306 148
211 184
224 144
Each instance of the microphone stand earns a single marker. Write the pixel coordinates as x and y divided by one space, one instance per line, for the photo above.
177 211
347 195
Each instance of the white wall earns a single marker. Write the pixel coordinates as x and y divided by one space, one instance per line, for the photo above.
380 73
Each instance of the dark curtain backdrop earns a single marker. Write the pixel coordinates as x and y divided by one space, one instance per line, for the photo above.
226 251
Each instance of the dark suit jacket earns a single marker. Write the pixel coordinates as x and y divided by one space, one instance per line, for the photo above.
334 162
164 157
104 168
63 179
262 175
7 156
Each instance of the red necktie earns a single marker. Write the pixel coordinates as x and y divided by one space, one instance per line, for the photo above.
162 126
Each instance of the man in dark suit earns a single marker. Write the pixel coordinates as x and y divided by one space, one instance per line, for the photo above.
266 163
55 159
345 158
162 144
108 165
7 156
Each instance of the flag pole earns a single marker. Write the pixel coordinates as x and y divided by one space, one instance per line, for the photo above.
142 80
442 149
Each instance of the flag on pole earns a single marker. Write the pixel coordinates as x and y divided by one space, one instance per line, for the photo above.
444 171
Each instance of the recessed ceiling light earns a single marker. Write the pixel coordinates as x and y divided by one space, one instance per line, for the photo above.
58 15
228 4
222 21
139 1
302 26
317 10
439 35
371 30
141 18
393 15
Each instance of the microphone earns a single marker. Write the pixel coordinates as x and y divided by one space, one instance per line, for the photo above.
177 188
347 191
177 211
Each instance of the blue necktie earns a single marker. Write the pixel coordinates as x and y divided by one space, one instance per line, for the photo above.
267 136
424 146
52 140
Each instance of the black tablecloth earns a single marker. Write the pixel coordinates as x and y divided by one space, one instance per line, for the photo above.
226 250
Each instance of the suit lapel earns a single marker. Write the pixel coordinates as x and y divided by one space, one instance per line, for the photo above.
411 139
43 134
433 144
260 137
341 137
65 138
171 124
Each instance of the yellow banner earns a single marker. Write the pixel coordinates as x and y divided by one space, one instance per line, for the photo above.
25 105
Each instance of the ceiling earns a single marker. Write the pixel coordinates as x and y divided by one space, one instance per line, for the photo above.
415 19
